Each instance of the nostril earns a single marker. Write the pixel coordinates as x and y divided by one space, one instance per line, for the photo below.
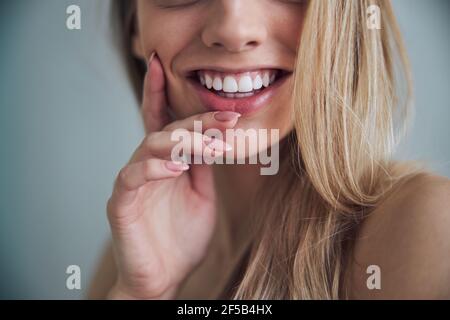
237 48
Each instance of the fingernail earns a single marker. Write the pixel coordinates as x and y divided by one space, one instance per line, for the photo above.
177 166
226 116
150 60
219 146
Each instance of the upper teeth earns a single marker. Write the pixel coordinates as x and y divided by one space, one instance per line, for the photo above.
234 83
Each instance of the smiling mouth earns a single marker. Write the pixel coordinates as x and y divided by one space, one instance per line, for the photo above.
237 85
245 92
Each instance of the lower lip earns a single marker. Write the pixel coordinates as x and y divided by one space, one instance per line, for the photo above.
245 106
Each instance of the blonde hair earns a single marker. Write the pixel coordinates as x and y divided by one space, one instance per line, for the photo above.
349 113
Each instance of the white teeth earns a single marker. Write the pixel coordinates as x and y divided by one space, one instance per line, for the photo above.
272 78
257 83
217 84
230 85
239 85
266 80
245 84
208 81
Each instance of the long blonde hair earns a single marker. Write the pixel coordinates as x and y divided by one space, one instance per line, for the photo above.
350 110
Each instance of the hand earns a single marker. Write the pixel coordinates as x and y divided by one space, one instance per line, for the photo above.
162 213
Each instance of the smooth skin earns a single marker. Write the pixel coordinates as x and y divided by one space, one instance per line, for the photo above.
162 220
161 217
163 214
161 229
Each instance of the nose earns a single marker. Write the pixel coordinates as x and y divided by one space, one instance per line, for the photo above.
235 26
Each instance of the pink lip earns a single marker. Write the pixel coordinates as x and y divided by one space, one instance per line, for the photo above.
244 106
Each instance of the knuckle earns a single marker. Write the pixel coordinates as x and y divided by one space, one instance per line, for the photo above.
112 211
170 126
151 139
109 207
148 169
122 178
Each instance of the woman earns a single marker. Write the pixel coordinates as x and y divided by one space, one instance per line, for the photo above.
337 92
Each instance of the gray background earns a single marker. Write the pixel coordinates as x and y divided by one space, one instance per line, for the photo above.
68 122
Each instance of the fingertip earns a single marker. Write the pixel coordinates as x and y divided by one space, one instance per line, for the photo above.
226 119
156 74
226 116
176 166
149 61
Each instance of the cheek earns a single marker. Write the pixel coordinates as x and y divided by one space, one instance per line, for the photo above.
165 43
163 32
178 35
288 30
277 116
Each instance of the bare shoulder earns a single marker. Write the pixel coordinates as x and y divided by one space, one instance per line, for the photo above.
406 240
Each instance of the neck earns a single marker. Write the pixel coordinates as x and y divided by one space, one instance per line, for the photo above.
236 185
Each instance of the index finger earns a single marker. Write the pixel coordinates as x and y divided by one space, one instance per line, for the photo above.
154 102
